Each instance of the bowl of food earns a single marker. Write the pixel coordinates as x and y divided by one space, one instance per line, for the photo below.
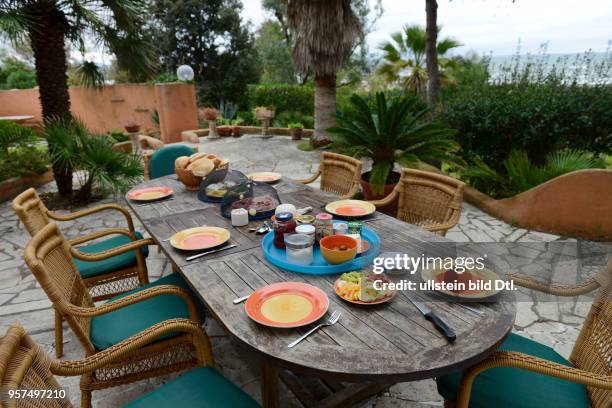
192 169
337 249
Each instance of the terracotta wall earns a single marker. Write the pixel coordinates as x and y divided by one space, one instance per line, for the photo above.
110 107
576 204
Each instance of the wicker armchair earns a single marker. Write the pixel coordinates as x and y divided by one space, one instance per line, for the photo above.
591 356
50 258
25 365
104 279
339 174
430 200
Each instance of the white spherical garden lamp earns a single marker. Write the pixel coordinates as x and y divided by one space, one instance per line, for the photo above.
184 73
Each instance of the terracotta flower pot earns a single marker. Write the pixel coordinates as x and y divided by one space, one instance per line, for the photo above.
296 134
225 131
132 128
237 132
369 194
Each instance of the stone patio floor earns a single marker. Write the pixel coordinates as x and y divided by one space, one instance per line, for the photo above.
22 300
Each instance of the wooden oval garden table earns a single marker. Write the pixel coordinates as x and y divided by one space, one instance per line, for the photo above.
373 345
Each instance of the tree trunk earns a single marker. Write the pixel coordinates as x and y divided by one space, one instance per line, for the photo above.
433 70
325 108
47 41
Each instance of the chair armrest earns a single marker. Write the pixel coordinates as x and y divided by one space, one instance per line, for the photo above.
135 298
99 256
99 234
553 288
311 178
530 363
118 351
88 211
387 200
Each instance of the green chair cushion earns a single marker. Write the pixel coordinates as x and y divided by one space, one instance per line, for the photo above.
125 260
509 387
111 328
202 387
162 161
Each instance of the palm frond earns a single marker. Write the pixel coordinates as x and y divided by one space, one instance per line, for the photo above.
88 74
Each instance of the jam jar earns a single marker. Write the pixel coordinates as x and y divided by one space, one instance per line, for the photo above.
323 225
283 224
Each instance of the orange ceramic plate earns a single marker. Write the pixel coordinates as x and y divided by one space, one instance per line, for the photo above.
287 304
196 239
350 208
360 302
265 176
150 193
438 275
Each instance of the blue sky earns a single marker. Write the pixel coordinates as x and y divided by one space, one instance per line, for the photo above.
568 26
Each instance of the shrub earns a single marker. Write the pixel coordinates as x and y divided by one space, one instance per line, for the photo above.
295 125
19 156
283 97
246 118
74 147
535 106
285 118
21 80
520 174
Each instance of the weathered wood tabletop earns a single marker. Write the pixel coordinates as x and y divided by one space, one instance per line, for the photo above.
377 345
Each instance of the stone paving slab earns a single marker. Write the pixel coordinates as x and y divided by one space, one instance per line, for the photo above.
554 323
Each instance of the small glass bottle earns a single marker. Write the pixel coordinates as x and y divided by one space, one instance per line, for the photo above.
324 225
283 224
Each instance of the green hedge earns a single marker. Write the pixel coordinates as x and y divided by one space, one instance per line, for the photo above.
283 97
494 119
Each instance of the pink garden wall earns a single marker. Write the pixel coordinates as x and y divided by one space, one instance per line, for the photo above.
110 107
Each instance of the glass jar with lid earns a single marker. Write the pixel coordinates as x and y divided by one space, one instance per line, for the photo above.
323 225
299 249
283 224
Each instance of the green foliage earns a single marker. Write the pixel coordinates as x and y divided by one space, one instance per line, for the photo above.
283 97
165 77
75 148
404 59
11 135
18 154
274 54
119 136
211 38
88 74
538 106
520 174
246 118
392 131
295 125
286 118
21 80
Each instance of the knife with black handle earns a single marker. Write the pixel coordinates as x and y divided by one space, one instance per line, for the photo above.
438 323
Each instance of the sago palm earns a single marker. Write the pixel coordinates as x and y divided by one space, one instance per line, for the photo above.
392 131
404 58
50 26
325 33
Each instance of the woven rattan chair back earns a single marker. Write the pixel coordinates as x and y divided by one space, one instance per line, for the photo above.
24 365
593 349
31 211
339 174
426 198
49 258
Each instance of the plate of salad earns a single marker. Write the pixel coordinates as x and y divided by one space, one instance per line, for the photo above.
358 288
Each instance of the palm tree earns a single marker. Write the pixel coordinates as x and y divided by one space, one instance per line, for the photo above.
325 33
49 26
405 58
431 39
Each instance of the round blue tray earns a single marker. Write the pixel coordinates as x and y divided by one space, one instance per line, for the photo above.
320 266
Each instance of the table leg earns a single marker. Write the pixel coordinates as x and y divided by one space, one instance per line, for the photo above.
269 386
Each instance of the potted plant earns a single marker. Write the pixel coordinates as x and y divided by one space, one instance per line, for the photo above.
388 132
236 130
131 126
210 115
225 129
265 115
296 129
